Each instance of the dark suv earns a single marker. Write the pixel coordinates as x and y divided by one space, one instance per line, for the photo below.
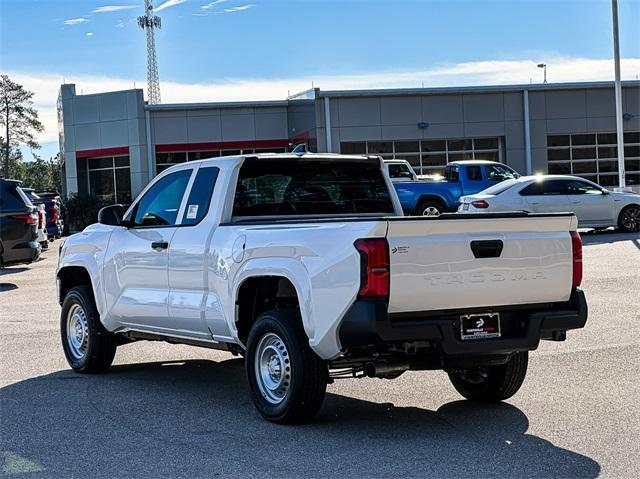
18 223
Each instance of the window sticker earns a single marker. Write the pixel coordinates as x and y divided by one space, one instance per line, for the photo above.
192 212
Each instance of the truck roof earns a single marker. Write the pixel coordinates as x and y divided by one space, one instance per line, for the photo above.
232 160
474 162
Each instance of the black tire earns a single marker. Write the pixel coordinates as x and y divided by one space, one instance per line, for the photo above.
629 219
304 374
492 383
423 206
98 344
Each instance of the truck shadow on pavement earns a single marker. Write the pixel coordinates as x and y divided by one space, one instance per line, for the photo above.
608 236
195 419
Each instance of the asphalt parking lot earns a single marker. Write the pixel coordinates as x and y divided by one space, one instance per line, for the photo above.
177 411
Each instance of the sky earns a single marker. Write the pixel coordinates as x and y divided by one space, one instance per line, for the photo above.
217 50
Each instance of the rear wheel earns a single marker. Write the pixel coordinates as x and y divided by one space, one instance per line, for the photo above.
629 219
288 380
429 208
88 346
492 383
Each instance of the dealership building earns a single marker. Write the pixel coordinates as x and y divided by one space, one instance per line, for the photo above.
114 143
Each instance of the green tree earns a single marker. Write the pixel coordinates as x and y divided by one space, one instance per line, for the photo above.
43 174
18 117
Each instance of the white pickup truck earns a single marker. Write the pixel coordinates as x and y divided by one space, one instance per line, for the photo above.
304 264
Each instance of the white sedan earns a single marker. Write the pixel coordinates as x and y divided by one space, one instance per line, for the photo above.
595 206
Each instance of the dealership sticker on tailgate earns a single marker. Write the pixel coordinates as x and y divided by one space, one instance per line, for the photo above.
480 326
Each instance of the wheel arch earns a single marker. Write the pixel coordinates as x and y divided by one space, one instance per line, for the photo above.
287 281
71 276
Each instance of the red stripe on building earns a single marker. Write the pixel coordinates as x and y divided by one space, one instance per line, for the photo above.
115 151
222 145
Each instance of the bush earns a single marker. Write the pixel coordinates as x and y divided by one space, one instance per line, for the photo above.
81 211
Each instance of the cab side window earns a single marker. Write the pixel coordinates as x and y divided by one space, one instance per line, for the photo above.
200 196
474 173
160 204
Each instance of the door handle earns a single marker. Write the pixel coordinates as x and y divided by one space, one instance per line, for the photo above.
159 245
576 202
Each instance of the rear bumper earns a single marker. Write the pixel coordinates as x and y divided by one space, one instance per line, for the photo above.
367 324
22 253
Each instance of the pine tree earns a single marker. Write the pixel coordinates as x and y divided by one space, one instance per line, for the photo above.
18 117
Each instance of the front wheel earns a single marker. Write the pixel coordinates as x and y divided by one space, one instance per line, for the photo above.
492 383
88 346
288 380
629 219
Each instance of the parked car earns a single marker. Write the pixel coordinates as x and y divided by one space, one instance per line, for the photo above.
54 208
41 228
304 264
595 206
18 225
432 198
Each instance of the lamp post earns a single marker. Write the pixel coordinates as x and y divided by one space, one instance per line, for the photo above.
544 67
618 92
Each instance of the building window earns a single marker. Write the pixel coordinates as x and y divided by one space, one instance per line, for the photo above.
594 156
106 177
166 160
430 156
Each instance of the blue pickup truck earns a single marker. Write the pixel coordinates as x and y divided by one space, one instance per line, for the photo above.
431 197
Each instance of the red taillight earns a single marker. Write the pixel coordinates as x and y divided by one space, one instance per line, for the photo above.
374 269
29 219
54 213
480 204
40 219
576 248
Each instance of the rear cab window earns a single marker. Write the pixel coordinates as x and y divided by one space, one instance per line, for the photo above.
452 173
298 187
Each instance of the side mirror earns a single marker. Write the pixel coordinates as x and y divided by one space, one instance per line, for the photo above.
111 215
605 192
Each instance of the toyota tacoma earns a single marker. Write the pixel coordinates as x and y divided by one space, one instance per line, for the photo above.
304 265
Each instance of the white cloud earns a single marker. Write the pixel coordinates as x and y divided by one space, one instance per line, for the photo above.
238 9
120 24
212 4
168 4
492 72
75 21
89 34
113 8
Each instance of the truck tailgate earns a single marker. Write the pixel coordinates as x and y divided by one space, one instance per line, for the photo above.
476 261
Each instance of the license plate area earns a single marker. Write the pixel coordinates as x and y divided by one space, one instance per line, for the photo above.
480 326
